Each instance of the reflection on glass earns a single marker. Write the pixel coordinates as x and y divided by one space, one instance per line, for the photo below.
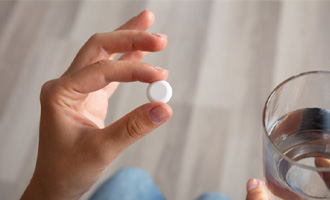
297 138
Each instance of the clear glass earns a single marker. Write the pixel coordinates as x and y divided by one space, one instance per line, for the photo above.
296 120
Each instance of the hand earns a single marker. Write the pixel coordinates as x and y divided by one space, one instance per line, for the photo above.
256 190
323 162
74 147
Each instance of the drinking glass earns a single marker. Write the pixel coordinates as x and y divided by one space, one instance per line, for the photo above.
296 138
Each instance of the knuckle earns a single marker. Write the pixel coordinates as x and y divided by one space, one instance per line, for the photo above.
134 127
102 62
95 37
45 90
99 69
48 92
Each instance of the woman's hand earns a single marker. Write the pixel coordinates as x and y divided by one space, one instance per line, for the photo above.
256 190
74 146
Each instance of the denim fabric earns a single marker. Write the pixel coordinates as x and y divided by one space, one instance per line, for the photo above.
212 196
136 184
128 184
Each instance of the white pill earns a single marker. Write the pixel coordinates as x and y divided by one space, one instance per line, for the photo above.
159 91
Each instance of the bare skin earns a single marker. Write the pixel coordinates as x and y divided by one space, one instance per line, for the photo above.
75 147
256 188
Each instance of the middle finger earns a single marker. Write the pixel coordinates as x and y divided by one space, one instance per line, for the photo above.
102 45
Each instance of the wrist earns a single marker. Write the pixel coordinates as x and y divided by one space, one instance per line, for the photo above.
33 191
37 190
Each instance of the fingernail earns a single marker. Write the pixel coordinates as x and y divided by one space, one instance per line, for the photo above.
162 70
253 184
158 114
159 68
158 34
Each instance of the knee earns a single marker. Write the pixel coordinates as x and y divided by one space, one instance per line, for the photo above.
213 196
132 174
129 183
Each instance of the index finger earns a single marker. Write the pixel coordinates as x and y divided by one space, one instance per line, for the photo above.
141 22
98 75
101 45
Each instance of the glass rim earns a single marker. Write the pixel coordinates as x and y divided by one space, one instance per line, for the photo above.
266 135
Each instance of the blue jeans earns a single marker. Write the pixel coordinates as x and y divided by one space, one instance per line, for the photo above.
136 184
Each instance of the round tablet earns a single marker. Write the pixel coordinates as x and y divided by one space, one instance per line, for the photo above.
159 91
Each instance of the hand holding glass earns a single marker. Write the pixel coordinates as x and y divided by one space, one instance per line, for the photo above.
296 119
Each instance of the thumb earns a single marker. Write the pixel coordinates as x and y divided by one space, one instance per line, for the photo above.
256 190
135 125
